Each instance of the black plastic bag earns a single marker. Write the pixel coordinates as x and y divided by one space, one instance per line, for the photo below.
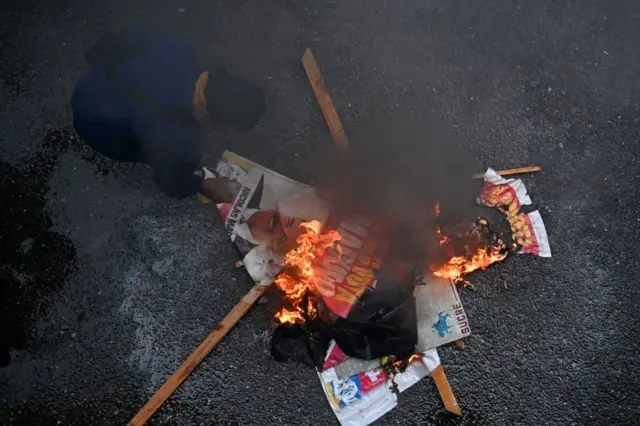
383 323
296 343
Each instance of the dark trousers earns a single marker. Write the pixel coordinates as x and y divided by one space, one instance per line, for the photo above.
109 140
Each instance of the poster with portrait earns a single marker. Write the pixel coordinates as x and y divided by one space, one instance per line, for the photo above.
263 221
264 218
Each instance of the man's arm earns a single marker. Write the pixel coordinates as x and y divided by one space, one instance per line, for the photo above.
179 180
176 179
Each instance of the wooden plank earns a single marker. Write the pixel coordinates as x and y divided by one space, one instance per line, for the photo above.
446 393
510 171
201 352
324 99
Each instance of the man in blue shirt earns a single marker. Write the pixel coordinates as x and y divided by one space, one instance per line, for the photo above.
147 100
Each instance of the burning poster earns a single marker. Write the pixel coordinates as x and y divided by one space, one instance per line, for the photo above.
264 221
509 196
342 277
472 245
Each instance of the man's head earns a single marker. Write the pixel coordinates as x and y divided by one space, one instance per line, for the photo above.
233 101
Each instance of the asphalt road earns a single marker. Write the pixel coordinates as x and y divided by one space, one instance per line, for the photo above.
107 286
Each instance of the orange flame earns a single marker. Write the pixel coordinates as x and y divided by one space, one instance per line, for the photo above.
406 362
414 357
442 239
458 266
311 245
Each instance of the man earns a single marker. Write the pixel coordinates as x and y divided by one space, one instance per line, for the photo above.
146 100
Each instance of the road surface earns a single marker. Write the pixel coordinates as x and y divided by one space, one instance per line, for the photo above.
107 286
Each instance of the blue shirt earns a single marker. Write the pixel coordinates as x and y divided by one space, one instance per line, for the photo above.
136 104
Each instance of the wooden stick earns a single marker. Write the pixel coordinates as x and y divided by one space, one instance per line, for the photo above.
201 352
324 99
444 388
510 171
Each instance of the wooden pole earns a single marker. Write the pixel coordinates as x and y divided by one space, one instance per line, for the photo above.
510 171
324 99
201 352
446 393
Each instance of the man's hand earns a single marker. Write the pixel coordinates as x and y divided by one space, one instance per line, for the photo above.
220 190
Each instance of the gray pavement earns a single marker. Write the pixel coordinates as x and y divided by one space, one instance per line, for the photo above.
107 286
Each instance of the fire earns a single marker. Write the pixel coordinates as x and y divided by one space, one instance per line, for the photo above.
414 357
458 266
299 289
403 363
442 239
